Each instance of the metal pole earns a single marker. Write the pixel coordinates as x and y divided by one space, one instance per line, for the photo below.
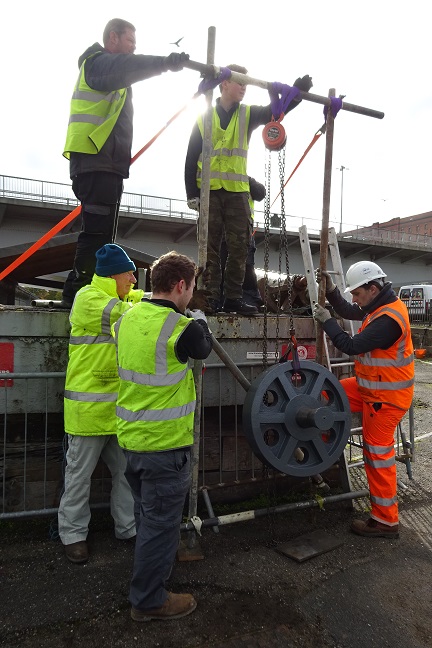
213 71
325 224
192 541
296 506
230 364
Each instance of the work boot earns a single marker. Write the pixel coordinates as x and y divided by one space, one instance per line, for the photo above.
213 307
175 607
77 552
374 529
239 306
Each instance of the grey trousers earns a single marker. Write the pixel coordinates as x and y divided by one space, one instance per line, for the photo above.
159 482
74 511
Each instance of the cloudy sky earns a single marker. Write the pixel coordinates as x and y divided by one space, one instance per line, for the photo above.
375 53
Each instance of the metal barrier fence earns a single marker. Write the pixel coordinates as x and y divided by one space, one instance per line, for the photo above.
33 447
33 444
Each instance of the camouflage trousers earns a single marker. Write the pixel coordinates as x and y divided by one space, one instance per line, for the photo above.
229 215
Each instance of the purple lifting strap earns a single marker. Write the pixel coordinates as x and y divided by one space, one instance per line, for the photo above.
336 105
280 104
210 84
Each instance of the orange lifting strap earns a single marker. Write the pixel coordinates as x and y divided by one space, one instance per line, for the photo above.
73 214
314 139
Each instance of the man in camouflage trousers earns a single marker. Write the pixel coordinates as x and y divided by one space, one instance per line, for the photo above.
229 211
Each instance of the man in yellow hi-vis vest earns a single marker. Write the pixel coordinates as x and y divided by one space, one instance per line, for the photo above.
99 138
90 398
229 212
155 422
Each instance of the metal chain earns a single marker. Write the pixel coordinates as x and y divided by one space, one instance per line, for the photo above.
266 258
281 164
268 484
284 240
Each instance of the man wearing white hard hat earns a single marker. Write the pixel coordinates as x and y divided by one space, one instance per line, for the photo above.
383 386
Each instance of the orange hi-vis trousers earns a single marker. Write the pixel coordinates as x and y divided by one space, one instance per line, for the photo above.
379 424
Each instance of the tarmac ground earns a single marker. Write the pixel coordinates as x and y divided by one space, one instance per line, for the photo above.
361 593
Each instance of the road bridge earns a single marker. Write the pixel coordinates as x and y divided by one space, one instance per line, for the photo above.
153 225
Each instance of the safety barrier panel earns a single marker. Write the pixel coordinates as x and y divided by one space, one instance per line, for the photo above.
33 444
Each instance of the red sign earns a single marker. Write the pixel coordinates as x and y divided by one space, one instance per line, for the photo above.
305 351
6 362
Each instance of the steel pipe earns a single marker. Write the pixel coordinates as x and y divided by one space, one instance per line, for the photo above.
214 70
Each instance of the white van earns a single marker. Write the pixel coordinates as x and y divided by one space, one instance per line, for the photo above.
418 300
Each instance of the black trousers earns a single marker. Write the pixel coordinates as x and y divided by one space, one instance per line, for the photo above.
99 194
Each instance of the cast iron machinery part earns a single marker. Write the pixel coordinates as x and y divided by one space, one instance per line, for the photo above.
288 410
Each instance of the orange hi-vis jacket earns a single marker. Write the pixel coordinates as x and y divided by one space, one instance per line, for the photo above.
387 375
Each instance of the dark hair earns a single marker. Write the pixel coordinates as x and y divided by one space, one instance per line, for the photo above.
117 25
369 284
169 269
235 68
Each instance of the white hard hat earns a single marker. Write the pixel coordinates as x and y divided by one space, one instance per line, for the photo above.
361 273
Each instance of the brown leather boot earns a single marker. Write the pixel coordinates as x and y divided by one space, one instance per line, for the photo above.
77 552
374 529
175 607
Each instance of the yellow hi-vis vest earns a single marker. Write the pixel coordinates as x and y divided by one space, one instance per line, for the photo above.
156 398
252 207
93 115
228 162
91 378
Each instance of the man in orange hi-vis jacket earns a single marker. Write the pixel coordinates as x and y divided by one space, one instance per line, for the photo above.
383 386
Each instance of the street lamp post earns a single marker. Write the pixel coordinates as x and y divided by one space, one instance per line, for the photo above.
342 169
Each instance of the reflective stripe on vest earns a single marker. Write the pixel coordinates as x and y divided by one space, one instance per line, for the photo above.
167 414
93 115
90 397
107 338
91 378
162 377
155 408
228 164
381 371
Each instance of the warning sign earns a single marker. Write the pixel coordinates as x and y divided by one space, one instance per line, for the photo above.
305 351
6 363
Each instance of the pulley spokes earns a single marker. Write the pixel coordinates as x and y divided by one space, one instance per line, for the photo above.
297 420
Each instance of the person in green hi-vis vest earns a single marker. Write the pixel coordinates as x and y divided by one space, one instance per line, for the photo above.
155 424
99 138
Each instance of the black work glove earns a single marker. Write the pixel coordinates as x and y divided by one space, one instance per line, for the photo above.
256 189
304 83
175 62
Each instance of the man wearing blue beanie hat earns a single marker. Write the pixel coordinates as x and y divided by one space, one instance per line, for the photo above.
90 400
111 259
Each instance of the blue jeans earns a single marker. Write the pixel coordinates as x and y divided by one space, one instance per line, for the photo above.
159 482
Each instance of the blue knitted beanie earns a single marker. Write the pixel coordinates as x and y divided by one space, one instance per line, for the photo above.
111 259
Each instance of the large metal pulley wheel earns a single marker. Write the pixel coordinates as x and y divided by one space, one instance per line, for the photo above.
297 421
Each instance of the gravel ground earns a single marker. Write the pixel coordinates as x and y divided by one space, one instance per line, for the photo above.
364 592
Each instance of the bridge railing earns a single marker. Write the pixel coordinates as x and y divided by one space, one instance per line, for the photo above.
12 187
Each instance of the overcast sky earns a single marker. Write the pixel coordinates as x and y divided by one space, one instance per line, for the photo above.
375 53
